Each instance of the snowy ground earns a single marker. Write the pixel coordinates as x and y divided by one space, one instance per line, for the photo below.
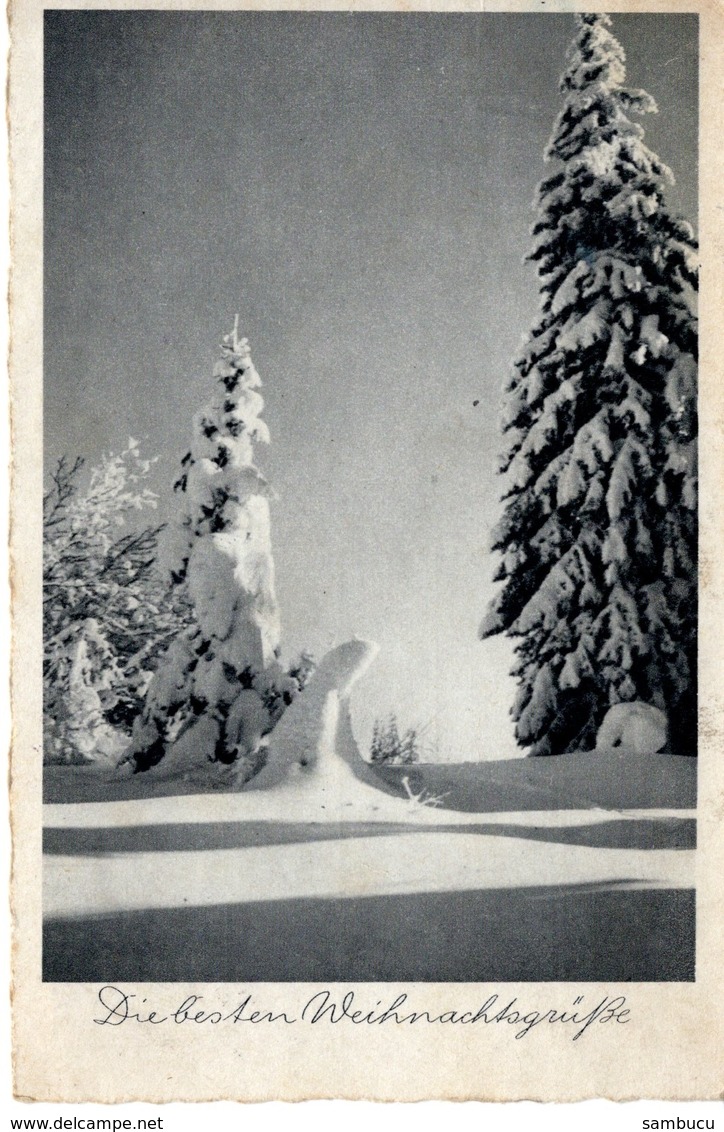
573 868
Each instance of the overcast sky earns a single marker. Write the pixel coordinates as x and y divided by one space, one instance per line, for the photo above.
358 187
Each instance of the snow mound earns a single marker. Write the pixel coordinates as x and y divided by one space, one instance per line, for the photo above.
313 741
190 754
636 727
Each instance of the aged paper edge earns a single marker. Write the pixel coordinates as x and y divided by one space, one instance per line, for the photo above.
59 1055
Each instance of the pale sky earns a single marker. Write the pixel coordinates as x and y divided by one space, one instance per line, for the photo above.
358 187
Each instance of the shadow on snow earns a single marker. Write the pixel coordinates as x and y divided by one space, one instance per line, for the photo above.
543 934
640 833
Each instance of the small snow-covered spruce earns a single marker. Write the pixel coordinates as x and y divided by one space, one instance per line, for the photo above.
598 535
225 667
106 610
388 747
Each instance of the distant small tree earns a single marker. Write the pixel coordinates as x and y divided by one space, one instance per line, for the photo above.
389 748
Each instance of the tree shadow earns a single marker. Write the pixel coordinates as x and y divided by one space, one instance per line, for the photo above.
639 833
610 780
584 933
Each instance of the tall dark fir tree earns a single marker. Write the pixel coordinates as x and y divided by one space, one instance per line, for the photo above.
598 534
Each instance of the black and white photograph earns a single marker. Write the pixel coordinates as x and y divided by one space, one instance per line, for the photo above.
370 512
369 655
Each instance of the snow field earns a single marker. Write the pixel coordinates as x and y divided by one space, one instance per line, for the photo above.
401 864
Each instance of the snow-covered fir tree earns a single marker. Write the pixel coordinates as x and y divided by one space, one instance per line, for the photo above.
598 535
224 669
106 611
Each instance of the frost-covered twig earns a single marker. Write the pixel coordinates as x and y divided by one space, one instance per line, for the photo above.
423 798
